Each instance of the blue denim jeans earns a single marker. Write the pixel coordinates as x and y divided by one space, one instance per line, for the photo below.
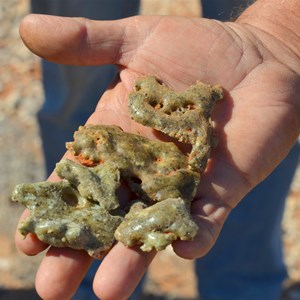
246 263
247 260
224 10
72 92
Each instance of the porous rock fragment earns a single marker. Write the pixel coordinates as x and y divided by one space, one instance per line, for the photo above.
62 217
156 171
96 184
157 226
182 115
83 210
153 169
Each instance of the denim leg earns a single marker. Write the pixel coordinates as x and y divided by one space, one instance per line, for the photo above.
246 262
92 9
72 92
71 95
85 291
224 10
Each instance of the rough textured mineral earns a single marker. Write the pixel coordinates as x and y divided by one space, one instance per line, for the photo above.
158 225
62 217
183 115
83 211
154 170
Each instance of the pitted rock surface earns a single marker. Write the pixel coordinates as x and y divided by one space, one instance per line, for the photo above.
83 211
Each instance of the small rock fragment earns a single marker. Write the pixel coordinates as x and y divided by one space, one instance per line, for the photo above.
61 217
83 210
182 115
157 226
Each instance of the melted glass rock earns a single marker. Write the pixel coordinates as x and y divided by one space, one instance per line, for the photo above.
83 210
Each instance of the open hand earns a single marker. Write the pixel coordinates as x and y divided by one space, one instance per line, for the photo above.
256 123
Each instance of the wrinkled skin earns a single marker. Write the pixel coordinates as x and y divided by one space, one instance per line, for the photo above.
259 71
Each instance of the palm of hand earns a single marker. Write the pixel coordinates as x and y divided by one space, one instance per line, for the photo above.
254 96
249 121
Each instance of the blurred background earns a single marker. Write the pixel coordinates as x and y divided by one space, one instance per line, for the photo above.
21 160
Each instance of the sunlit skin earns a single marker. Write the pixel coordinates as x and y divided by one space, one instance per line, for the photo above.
256 123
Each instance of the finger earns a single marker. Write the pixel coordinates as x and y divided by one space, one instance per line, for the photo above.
79 41
120 272
60 273
30 244
210 216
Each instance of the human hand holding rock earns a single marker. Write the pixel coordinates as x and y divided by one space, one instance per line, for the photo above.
260 113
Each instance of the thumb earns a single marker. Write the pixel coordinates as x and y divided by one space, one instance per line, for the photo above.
79 41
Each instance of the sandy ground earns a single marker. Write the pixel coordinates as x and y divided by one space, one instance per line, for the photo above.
21 160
